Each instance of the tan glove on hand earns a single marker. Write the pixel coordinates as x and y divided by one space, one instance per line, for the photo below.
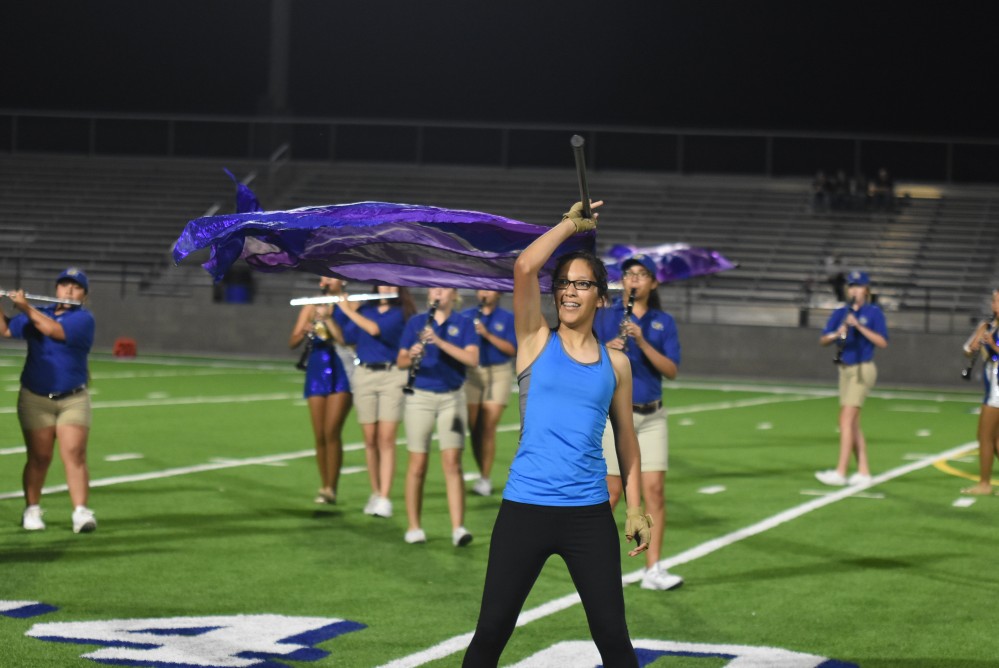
575 214
638 525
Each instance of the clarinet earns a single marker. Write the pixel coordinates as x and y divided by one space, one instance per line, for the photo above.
478 312
623 329
990 329
841 341
414 365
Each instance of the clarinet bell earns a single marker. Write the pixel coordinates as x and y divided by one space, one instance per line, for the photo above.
966 373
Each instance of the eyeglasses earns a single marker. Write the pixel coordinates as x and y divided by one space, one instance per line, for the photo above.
582 286
636 274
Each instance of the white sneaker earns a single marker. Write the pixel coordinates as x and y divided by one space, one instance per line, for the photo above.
370 505
660 579
482 487
831 477
31 520
83 520
381 507
859 479
460 537
416 536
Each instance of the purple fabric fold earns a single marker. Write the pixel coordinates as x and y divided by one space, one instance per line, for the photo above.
674 262
376 242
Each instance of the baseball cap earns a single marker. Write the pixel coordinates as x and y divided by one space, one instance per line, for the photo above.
647 262
858 278
75 275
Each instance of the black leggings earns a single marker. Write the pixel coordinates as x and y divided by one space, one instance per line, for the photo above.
523 538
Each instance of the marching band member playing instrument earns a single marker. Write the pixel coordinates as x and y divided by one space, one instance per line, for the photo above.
858 328
489 385
53 403
985 342
654 353
327 386
443 346
556 500
377 386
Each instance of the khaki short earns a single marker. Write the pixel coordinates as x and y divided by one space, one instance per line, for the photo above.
856 382
378 394
653 441
35 411
489 384
447 410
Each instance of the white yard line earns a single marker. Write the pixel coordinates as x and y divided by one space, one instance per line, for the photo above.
459 643
184 401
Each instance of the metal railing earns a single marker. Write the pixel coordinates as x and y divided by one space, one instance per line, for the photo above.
666 149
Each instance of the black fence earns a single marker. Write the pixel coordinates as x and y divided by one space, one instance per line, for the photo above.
687 151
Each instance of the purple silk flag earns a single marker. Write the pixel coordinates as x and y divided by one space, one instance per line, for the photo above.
674 262
374 242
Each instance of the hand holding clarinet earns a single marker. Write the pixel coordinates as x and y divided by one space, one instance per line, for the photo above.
416 351
981 338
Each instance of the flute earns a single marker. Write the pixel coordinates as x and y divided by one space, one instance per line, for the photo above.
414 365
42 298
335 299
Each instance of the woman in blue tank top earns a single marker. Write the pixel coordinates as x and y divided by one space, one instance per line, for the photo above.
556 500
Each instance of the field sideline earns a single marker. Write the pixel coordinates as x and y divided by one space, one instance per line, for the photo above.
208 540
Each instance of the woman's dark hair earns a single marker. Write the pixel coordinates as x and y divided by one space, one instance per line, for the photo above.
654 300
405 300
596 266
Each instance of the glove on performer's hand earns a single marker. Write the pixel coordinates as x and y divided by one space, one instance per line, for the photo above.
638 527
575 214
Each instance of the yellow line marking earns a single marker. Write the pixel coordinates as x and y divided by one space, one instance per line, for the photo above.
943 465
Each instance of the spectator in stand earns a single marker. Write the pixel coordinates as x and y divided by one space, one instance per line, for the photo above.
820 191
882 191
836 276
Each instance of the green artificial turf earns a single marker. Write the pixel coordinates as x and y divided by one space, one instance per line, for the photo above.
188 527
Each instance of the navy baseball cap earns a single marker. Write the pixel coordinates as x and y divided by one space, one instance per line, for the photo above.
75 275
858 278
647 262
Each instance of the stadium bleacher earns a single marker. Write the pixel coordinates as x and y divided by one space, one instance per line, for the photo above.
117 218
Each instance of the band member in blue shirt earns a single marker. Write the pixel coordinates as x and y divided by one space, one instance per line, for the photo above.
649 338
489 385
376 328
53 403
442 344
857 329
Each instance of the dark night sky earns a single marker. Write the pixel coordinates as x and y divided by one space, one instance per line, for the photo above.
847 66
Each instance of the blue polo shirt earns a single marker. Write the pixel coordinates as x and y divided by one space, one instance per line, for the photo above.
384 347
54 367
858 348
499 323
659 329
439 372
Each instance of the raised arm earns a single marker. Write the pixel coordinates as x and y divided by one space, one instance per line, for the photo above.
529 322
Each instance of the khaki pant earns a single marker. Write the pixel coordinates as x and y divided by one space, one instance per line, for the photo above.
447 410
856 382
35 411
491 384
378 394
653 441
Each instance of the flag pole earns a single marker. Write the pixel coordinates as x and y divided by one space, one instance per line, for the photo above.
577 143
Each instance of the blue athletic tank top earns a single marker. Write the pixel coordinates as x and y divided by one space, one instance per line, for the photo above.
563 408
